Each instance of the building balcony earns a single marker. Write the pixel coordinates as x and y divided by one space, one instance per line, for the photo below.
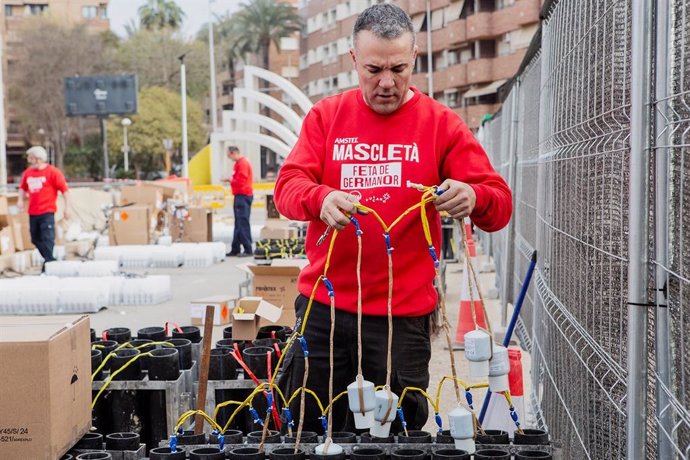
481 70
457 31
522 13
473 114
480 26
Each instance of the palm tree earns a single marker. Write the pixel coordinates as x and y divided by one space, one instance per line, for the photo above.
262 22
229 40
159 14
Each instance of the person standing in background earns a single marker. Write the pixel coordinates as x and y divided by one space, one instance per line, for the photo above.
41 182
243 193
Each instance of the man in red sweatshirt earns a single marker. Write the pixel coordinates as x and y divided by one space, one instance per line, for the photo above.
243 195
366 145
41 182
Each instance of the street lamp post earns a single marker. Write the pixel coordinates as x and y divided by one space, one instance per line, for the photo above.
211 47
126 122
183 90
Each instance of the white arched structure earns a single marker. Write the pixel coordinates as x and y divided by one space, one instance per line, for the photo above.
241 126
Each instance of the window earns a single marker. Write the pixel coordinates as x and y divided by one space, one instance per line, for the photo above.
452 98
467 9
486 48
89 12
103 8
34 10
487 5
8 10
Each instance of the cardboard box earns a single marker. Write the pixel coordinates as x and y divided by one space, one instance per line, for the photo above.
6 240
278 229
7 202
130 225
277 284
21 231
142 195
198 228
221 315
46 385
249 314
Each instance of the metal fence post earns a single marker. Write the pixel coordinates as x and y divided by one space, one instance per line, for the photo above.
640 142
509 241
663 346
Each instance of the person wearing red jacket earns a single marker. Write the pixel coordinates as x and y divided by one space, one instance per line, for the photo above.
41 182
365 146
241 185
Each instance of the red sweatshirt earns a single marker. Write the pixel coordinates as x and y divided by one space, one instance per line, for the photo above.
242 177
344 145
42 186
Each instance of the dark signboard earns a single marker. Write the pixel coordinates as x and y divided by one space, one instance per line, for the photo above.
100 95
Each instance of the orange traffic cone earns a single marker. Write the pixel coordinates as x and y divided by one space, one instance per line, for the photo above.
469 300
498 413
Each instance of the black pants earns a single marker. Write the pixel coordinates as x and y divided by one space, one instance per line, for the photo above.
242 208
42 227
411 354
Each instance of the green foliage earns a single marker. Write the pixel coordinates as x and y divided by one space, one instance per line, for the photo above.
262 22
54 51
153 56
86 161
159 118
161 14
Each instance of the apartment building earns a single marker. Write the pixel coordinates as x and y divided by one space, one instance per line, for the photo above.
94 13
476 46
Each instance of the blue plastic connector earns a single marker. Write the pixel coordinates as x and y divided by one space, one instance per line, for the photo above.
305 350
288 417
173 444
439 421
329 286
468 397
358 230
255 416
324 423
387 236
401 416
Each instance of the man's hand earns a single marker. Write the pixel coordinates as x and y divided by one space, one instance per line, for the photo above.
458 199
334 206
66 215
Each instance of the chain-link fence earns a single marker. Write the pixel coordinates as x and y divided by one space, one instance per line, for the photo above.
563 140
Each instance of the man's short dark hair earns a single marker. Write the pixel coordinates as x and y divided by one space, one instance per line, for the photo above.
385 21
233 149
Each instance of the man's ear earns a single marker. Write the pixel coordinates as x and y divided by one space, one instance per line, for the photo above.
415 50
352 56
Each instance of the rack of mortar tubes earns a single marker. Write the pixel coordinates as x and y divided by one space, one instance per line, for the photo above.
120 446
429 447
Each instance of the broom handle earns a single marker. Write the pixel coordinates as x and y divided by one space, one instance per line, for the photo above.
511 325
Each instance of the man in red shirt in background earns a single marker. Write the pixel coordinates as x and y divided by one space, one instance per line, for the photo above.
40 182
241 185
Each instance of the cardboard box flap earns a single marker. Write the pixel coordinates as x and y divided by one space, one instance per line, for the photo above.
269 311
269 270
14 329
214 299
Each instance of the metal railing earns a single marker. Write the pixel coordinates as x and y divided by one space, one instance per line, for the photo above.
593 139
